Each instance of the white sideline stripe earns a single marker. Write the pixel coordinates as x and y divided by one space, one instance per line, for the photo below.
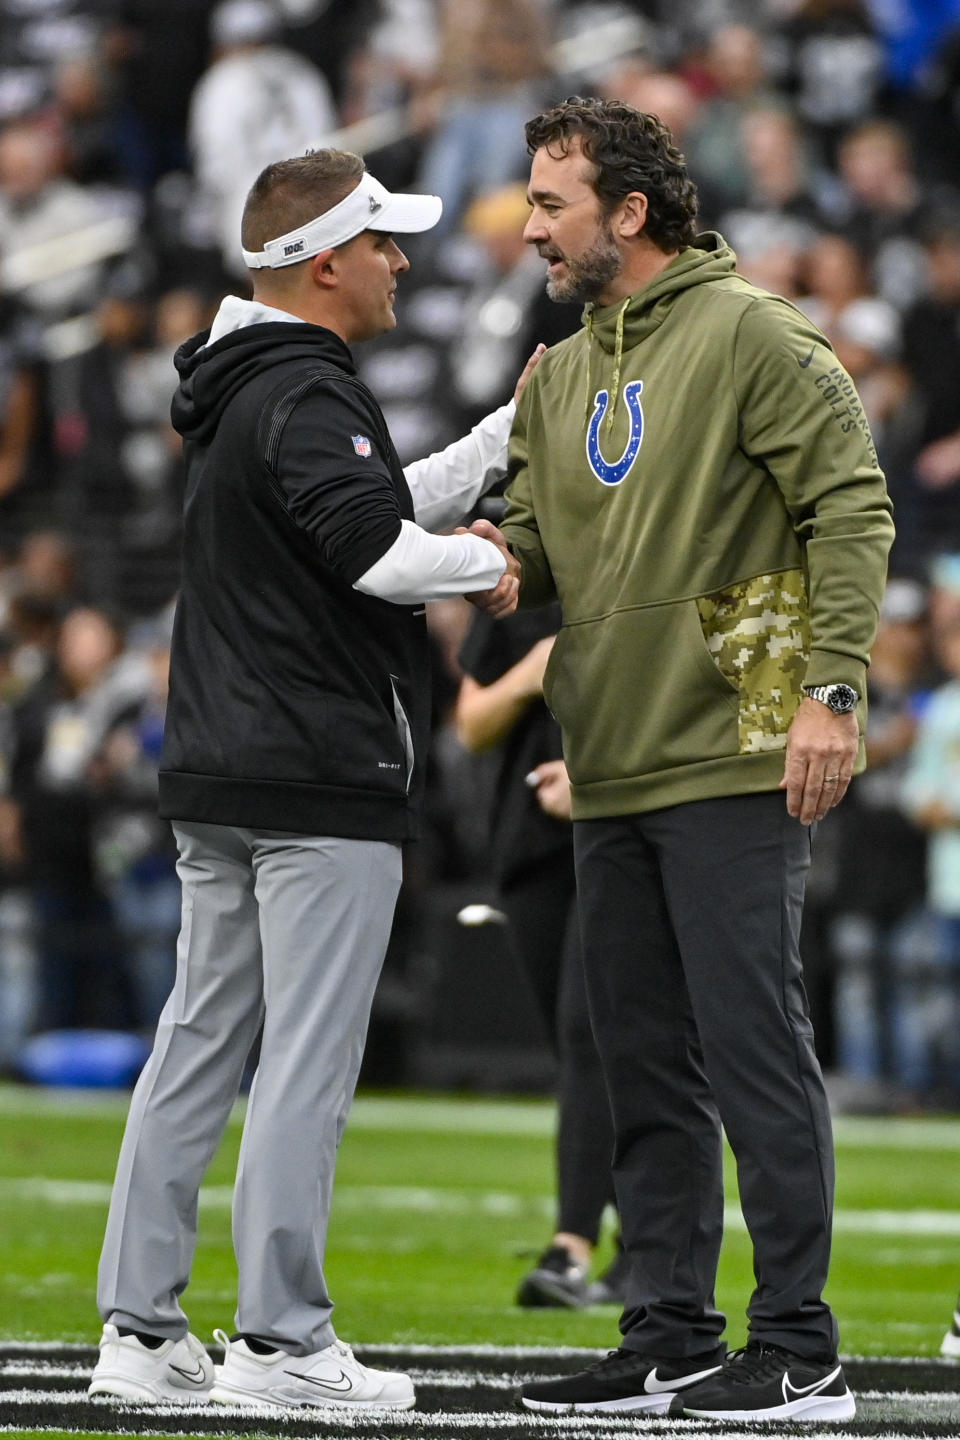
450 1116
421 1200
561 1425
408 1419
466 1422
928 1397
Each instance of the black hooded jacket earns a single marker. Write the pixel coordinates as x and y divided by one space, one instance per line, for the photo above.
296 702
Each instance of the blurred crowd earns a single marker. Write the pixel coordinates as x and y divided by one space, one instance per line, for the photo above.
824 136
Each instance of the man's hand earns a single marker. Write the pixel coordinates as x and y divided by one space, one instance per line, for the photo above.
527 371
821 753
502 599
552 784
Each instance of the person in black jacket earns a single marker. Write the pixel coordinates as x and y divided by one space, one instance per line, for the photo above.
292 770
500 703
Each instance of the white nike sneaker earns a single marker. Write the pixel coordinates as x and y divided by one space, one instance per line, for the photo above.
176 1370
332 1376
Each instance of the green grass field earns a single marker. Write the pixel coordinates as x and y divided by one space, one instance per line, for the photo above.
440 1204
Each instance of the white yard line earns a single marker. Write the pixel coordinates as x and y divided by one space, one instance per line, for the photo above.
455 1116
444 1200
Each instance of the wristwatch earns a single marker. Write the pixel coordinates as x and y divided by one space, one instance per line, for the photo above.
841 699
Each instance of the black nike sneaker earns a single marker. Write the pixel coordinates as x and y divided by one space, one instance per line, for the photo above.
557 1281
621 1381
764 1382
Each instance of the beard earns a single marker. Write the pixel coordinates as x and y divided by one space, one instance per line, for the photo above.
588 274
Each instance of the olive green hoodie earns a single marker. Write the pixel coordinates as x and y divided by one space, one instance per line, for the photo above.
717 533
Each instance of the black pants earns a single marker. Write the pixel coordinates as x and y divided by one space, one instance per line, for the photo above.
541 905
690 918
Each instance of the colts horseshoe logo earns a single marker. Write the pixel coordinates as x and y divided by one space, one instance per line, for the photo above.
607 473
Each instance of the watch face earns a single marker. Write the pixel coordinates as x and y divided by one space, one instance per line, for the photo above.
843 698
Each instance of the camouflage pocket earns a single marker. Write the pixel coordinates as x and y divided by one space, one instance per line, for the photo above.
758 635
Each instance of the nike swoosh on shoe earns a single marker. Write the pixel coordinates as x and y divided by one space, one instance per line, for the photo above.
653 1385
342 1386
195 1378
798 1392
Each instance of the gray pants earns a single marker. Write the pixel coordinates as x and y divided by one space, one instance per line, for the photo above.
286 929
691 918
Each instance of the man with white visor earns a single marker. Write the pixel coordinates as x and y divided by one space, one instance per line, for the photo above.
292 770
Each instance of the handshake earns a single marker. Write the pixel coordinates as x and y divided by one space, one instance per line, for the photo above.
502 599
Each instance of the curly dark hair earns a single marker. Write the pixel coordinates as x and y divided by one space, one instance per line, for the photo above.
631 151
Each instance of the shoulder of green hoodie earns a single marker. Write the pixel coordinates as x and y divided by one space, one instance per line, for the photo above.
800 418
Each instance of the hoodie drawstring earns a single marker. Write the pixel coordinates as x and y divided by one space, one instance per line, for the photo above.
617 362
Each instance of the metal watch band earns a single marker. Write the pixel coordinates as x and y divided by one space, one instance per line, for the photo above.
829 695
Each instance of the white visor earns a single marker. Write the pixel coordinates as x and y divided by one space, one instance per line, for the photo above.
369 207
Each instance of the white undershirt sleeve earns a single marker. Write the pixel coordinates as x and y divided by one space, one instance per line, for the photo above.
446 486
419 566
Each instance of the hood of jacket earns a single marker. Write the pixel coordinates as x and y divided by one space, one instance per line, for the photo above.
614 329
211 373
708 259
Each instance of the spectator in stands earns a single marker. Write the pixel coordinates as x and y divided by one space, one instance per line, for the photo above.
737 73
34 38
928 505
932 795
493 62
935 110
257 102
886 205
782 177
158 53
784 202
834 67
658 92
59 727
47 567
395 71
32 627
880 853
40 208
770 250
134 851
332 35
86 116
121 459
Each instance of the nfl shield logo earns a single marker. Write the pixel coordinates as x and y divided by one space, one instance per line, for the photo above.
362 446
